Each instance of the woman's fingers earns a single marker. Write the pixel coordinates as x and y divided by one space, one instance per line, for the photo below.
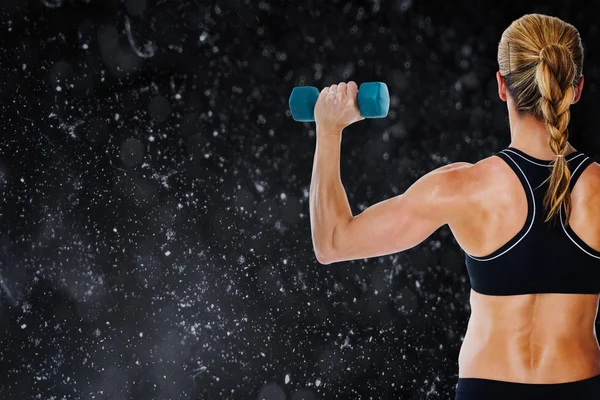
341 87
345 90
352 88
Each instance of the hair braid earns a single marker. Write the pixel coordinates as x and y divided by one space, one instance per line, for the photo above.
555 74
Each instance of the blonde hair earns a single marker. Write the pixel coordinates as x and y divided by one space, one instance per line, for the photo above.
541 59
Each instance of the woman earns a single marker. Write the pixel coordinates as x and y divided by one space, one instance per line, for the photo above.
528 219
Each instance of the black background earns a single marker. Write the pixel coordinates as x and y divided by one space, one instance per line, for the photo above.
154 231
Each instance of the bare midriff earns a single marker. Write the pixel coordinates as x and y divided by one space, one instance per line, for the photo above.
532 338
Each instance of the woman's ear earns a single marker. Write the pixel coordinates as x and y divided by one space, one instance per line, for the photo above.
501 86
578 90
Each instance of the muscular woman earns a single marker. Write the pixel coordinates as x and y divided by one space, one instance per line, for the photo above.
527 218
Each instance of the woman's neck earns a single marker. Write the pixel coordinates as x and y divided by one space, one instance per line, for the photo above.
531 136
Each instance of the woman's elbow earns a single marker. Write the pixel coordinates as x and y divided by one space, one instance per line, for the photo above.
324 256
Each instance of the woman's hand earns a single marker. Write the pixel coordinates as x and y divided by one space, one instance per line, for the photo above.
337 107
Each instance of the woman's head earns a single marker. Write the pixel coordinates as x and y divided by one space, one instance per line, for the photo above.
541 61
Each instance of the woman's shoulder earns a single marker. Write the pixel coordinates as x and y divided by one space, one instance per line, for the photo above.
590 177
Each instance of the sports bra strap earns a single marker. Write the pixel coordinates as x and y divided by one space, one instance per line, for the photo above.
578 168
514 165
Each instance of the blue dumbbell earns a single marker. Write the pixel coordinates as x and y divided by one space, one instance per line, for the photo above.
373 101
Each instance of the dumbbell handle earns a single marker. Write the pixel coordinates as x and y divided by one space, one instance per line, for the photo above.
373 101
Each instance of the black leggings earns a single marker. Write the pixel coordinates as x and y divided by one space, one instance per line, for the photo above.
488 389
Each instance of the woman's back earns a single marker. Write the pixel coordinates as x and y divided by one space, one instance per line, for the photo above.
535 337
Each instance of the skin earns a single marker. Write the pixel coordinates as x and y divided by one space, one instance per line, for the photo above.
531 338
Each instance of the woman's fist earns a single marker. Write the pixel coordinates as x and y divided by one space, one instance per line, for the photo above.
337 107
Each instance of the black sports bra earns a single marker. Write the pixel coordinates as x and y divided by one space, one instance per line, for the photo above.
543 257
